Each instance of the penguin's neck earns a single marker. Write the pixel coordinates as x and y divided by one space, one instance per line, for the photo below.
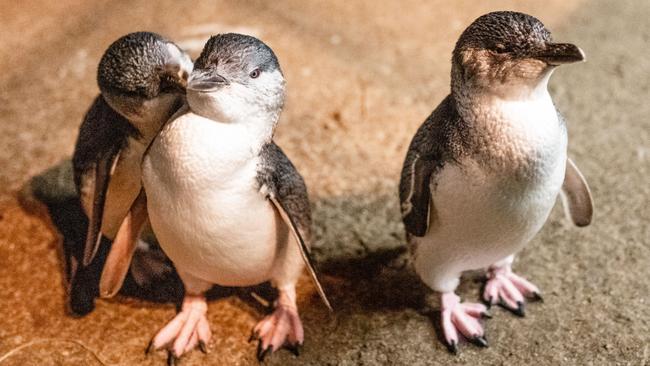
153 114
470 97
512 130
504 104
257 123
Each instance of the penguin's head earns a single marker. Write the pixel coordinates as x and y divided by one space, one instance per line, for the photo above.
141 73
508 53
237 78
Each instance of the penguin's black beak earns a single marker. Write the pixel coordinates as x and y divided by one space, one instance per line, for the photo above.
174 78
205 81
560 53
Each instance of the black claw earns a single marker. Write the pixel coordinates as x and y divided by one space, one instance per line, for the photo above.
172 360
479 341
537 297
294 348
453 347
261 353
488 302
486 314
149 348
259 350
254 336
520 311
203 347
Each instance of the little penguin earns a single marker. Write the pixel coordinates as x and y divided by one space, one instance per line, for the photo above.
226 204
484 170
142 79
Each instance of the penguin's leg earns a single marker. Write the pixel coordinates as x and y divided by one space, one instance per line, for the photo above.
457 318
508 289
283 327
190 326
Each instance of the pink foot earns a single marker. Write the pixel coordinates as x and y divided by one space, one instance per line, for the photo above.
188 329
281 328
463 318
509 289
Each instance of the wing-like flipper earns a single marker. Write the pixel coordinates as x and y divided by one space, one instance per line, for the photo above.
304 249
576 196
121 252
286 190
416 201
103 169
439 140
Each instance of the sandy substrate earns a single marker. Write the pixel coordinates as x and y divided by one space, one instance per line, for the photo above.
361 78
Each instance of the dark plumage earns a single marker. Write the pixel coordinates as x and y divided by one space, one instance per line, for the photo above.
440 139
134 66
283 181
141 77
237 49
504 32
103 132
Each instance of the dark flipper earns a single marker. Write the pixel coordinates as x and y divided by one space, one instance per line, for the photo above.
103 170
576 196
439 140
304 249
416 204
102 135
286 189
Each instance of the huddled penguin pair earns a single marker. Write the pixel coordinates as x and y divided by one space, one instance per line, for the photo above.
224 201
189 150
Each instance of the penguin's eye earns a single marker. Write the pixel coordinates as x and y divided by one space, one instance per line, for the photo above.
255 73
500 48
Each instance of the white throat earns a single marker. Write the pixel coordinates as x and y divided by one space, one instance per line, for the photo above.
259 124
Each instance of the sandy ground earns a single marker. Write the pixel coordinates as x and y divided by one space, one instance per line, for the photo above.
361 78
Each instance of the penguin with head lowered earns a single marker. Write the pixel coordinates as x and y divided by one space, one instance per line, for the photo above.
142 79
484 170
226 204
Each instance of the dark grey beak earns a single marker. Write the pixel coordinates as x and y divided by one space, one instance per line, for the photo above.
174 78
560 53
205 81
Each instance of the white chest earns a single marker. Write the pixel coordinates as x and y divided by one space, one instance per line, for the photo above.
519 139
204 203
492 202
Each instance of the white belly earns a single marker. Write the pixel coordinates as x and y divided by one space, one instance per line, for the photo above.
487 207
204 206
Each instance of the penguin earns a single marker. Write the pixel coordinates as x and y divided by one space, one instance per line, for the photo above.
484 170
142 78
226 204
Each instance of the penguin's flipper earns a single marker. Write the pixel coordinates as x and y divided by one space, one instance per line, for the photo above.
104 168
416 195
435 144
121 252
284 187
103 134
576 196
304 250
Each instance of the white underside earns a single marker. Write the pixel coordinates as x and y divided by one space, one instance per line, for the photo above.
204 205
481 215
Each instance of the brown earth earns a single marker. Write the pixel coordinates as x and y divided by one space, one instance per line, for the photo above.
362 76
